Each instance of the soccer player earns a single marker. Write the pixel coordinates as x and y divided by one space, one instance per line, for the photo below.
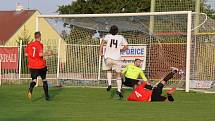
37 64
114 45
147 93
131 74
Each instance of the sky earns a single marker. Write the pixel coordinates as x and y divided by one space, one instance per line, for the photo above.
211 3
44 6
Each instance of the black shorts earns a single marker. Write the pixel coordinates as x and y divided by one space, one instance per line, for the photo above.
130 82
157 93
38 72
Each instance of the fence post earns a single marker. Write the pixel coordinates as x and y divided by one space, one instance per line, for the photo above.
100 59
20 60
58 60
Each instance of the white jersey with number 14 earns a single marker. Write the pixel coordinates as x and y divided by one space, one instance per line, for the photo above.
113 46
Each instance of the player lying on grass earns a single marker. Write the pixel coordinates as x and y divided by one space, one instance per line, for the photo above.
131 73
146 92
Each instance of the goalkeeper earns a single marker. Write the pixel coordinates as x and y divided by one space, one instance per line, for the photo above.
131 73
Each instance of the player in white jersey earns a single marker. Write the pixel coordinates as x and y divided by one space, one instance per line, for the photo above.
114 45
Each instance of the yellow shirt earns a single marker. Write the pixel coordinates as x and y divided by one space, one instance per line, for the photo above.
131 71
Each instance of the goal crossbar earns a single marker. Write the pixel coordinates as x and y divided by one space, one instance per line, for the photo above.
113 14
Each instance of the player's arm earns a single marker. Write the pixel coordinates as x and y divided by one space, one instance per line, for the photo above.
26 54
125 45
41 54
125 70
26 51
47 53
40 51
124 48
150 98
143 76
101 47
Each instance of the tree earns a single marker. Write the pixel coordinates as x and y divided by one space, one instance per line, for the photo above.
131 6
25 37
209 10
105 6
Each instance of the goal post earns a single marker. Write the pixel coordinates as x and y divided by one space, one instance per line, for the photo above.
173 32
189 29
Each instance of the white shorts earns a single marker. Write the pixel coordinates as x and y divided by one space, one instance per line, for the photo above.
110 64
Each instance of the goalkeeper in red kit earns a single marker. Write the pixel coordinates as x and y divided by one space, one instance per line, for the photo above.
145 92
37 64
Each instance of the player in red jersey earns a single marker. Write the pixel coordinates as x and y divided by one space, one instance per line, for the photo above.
37 64
147 93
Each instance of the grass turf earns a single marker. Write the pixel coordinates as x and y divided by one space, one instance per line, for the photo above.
88 104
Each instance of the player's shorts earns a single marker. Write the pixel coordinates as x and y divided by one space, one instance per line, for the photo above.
110 64
157 93
38 72
130 82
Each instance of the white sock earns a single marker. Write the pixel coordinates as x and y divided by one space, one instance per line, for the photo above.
109 77
37 82
119 84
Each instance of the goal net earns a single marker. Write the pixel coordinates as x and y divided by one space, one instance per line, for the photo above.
160 39
202 77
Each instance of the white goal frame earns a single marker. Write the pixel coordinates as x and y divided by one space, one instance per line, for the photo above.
189 29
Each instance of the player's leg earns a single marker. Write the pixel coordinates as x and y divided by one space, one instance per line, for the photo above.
118 67
119 84
171 74
157 91
107 67
157 94
169 94
136 83
45 82
131 82
109 78
34 75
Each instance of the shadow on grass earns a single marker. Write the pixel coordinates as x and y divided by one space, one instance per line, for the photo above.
113 95
39 98
125 92
53 92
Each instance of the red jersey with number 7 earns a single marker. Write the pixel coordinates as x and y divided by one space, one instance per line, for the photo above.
33 50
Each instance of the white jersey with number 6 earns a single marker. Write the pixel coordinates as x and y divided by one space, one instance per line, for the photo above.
113 46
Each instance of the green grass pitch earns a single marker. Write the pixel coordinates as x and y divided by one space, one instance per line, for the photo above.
89 104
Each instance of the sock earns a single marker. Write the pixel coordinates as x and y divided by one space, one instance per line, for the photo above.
109 77
149 87
32 84
160 85
169 76
45 87
119 84
170 98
